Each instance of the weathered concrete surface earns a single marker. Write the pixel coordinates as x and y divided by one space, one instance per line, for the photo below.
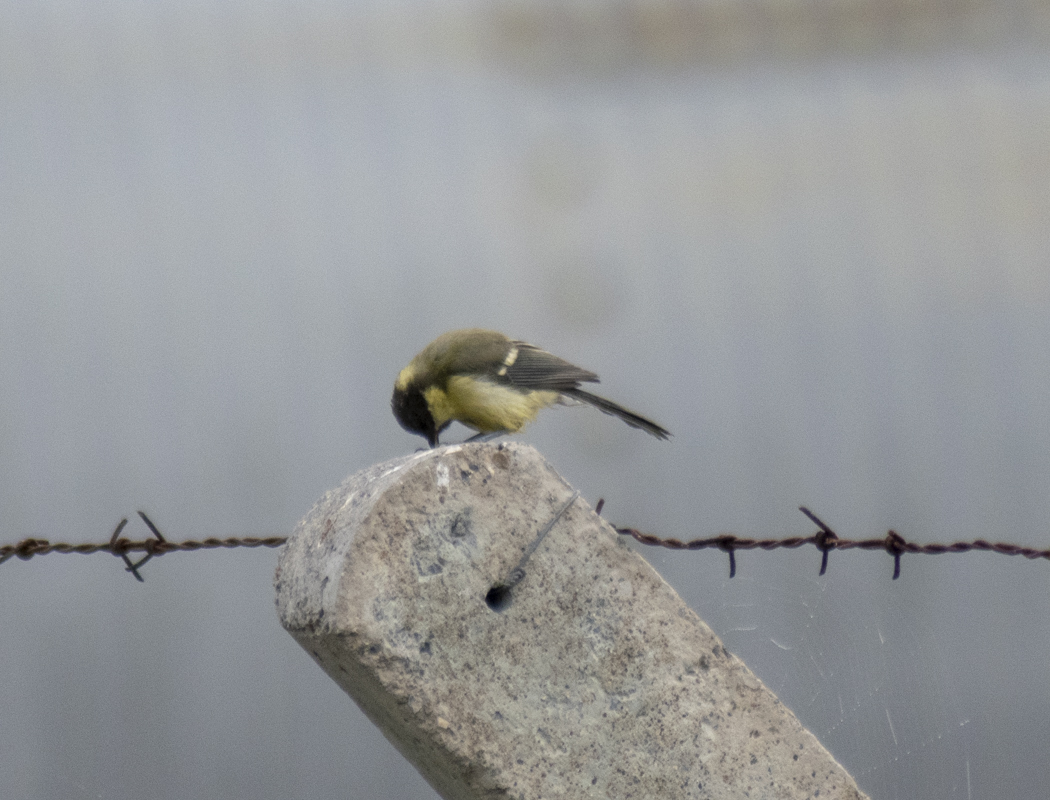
595 681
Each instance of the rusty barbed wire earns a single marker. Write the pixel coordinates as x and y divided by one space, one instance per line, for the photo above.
825 540
157 546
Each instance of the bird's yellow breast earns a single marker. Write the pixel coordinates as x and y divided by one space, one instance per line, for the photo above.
485 406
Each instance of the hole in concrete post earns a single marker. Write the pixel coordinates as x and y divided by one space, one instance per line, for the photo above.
498 597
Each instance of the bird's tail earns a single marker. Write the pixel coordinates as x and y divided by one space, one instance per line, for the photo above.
609 407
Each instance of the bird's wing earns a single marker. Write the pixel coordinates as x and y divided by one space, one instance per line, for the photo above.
533 368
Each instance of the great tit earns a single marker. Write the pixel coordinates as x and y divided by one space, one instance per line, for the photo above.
492 384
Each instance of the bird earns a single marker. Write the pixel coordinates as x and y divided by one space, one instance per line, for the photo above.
493 384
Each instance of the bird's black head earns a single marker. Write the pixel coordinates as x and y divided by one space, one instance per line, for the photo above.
411 410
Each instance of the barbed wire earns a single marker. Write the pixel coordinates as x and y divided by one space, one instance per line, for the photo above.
157 546
825 540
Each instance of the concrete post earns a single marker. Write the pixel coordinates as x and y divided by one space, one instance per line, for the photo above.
587 678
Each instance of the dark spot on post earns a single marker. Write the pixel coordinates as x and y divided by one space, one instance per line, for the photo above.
498 598
460 526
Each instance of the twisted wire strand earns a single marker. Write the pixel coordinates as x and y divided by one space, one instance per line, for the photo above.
825 540
119 546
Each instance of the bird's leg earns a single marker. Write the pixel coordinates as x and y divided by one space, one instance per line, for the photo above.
486 437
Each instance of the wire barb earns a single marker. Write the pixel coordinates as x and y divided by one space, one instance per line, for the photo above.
825 540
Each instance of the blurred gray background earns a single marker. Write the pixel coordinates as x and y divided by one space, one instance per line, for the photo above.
810 238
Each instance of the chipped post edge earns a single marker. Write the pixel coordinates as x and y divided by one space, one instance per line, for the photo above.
590 678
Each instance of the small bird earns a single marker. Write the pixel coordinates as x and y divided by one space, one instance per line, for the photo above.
492 384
